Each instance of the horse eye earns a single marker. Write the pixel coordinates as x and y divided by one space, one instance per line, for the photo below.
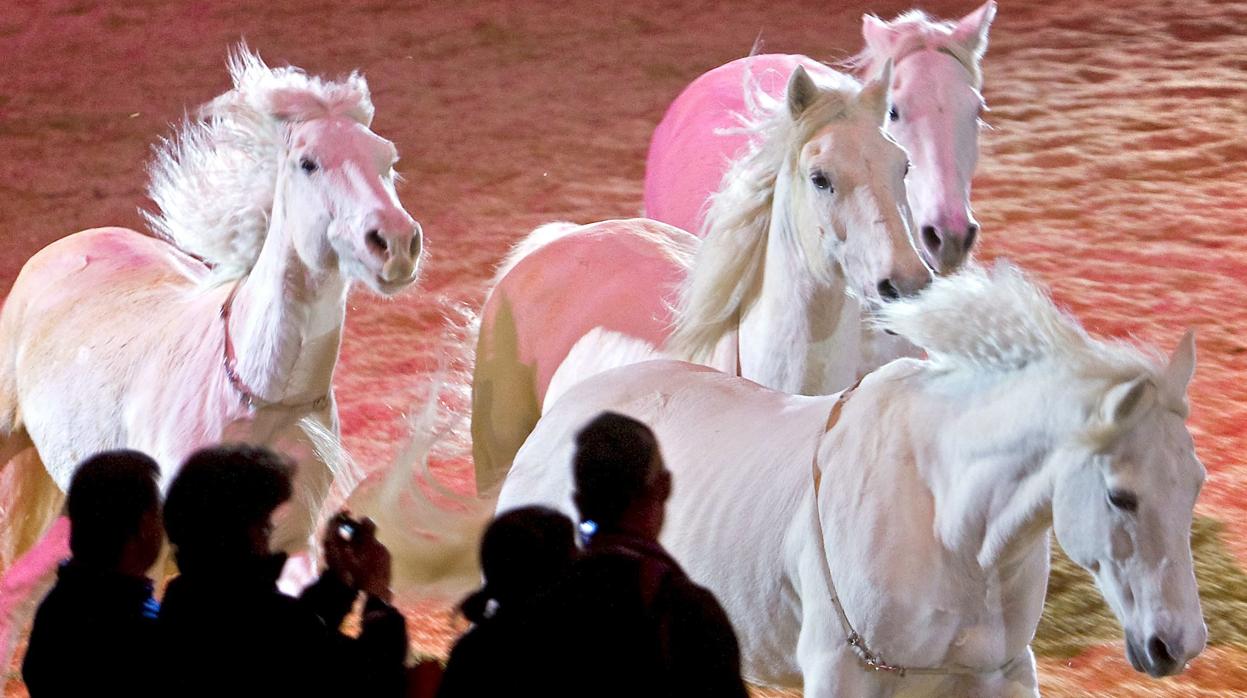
907 164
820 181
893 114
308 165
1126 501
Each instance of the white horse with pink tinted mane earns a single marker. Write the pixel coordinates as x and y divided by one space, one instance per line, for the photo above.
934 115
111 338
893 540
810 232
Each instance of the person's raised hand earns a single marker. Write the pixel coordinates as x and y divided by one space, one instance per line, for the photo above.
340 556
374 568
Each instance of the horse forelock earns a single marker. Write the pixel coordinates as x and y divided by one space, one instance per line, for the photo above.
288 93
917 31
214 180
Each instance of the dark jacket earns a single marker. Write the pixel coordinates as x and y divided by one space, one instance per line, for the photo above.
94 634
485 660
235 634
629 622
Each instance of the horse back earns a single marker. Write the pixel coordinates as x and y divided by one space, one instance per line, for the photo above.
741 458
606 276
620 276
73 268
693 144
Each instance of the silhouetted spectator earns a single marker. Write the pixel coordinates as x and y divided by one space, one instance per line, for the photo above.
628 621
225 627
523 553
94 634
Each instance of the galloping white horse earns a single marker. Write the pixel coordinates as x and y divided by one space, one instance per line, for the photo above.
934 115
811 229
111 338
913 511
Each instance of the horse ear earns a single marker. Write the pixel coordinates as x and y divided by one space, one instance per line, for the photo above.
801 92
878 34
876 93
1125 402
971 30
1181 365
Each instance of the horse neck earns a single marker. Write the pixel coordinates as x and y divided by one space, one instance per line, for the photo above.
989 467
286 321
799 333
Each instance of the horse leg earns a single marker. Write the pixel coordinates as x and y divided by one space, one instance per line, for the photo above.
1021 677
1018 679
29 499
32 500
831 672
505 406
829 667
12 444
322 467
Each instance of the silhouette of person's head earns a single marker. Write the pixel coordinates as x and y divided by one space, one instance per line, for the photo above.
622 483
114 512
218 510
523 551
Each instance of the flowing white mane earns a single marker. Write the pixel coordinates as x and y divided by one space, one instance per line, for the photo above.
215 179
998 320
916 31
738 220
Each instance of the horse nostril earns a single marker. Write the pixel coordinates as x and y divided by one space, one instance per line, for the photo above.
971 232
1159 652
888 290
931 238
416 243
376 243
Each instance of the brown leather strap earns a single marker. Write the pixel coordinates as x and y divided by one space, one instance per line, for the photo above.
831 423
245 393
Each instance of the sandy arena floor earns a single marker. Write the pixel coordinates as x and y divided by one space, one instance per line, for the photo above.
1114 171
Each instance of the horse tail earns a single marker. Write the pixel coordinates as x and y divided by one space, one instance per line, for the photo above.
433 532
598 351
29 499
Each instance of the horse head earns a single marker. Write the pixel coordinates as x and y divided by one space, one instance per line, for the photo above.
935 115
845 190
284 150
1122 509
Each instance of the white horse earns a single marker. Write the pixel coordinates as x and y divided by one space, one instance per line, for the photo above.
894 539
934 115
810 231
111 338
